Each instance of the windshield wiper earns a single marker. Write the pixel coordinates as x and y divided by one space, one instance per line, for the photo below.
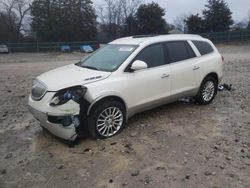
89 67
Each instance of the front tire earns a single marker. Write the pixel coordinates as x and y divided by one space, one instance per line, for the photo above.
106 119
207 91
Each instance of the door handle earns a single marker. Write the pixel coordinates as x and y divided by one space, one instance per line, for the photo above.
165 76
196 67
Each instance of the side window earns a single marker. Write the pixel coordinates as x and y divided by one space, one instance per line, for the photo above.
179 51
152 55
203 47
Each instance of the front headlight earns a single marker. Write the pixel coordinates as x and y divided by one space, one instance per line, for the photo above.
74 93
38 90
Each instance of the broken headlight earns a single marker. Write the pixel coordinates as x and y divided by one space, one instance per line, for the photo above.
73 93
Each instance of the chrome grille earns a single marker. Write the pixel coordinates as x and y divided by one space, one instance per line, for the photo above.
38 90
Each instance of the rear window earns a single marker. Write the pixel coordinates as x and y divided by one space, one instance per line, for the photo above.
179 51
203 47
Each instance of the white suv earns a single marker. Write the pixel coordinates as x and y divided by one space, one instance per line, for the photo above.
127 76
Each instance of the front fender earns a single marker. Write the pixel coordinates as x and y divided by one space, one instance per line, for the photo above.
105 95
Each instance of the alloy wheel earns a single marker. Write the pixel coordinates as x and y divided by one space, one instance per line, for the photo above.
208 91
109 122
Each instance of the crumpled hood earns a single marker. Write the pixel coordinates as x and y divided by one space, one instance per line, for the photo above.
70 75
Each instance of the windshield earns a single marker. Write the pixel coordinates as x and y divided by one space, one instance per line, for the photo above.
108 58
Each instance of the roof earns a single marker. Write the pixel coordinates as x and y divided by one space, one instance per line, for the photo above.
137 40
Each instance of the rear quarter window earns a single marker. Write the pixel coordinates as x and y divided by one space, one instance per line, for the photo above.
203 47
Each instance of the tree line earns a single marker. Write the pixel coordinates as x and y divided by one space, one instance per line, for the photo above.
216 17
79 20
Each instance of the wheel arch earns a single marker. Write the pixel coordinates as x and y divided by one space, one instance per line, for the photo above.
105 98
212 74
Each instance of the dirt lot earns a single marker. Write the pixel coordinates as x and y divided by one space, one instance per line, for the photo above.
177 145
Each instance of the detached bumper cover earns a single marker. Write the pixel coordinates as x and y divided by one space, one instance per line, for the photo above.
67 133
37 108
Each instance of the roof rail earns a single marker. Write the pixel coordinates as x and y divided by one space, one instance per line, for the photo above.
143 36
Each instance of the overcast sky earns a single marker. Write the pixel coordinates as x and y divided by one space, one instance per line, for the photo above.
174 8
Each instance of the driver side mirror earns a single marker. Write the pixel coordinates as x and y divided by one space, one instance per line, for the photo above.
138 65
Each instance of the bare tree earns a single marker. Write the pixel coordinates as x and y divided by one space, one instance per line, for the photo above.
114 13
110 14
244 23
179 22
130 7
13 13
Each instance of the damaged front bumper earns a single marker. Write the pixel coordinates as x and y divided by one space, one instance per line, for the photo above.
62 121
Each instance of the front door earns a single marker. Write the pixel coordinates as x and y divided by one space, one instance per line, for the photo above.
149 87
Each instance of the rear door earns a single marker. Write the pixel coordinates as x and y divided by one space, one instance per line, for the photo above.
181 58
207 62
149 87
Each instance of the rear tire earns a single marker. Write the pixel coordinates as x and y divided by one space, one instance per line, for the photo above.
106 119
207 91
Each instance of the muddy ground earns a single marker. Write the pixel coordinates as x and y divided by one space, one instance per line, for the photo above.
176 145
